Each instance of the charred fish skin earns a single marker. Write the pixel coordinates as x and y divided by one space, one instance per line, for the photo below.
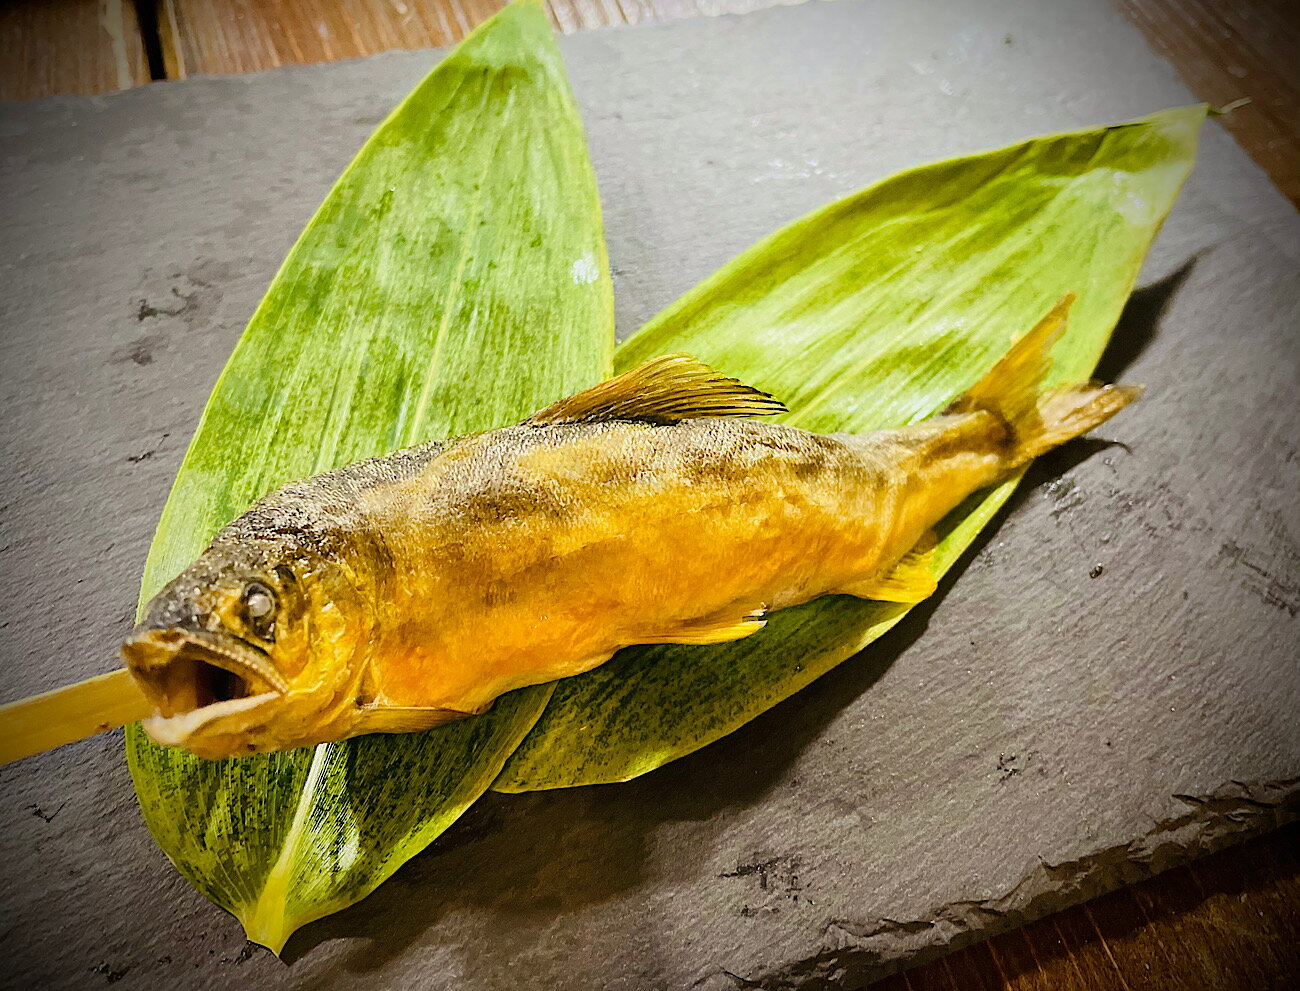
403 591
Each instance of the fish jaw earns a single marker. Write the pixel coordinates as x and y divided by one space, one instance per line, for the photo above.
201 729
208 689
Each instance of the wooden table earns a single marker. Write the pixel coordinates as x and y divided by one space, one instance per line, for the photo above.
1229 921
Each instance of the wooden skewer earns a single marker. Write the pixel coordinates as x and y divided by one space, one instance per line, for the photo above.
70 713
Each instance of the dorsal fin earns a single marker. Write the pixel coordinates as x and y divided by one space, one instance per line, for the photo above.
663 390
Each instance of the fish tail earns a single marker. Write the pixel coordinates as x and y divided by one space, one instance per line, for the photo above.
1039 419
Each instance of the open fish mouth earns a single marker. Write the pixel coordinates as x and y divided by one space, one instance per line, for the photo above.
193 677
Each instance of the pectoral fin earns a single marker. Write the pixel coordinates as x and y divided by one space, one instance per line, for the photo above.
377 717
712 629
911 580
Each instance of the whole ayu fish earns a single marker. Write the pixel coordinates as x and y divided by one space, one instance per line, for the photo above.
404 591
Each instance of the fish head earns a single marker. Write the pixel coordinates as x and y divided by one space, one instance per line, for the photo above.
254 647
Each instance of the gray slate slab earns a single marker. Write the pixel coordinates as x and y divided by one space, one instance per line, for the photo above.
1030 738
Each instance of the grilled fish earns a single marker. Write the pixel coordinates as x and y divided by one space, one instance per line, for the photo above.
404 591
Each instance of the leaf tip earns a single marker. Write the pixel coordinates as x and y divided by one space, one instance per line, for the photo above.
526 14
272 933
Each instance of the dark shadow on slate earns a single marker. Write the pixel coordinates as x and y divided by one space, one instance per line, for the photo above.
737 770
1137 325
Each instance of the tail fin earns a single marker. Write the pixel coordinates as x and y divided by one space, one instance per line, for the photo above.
1039 420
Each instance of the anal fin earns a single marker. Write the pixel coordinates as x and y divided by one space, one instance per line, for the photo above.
716 628
911 580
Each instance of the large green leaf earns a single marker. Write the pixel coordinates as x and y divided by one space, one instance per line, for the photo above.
455 279
871 313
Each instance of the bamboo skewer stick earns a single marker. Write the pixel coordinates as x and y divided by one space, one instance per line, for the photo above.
73 712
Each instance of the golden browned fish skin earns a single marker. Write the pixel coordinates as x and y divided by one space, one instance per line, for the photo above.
566 542
401 592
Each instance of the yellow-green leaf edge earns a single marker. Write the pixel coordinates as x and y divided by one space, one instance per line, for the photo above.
454 279
870 313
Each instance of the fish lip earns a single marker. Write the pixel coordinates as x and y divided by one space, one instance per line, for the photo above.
173 665
224 650
179 729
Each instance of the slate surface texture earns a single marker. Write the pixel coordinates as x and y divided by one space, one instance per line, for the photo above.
1031 737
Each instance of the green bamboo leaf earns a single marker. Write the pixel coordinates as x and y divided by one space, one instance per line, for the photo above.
871 313
455 279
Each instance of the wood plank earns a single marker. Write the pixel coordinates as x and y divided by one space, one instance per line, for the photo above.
975 970
229 36
1251 912
69 48
1229 921
1018 960
226 36
1140 945
1228 50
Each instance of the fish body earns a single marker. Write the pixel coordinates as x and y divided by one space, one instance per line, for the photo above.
553 545
404 591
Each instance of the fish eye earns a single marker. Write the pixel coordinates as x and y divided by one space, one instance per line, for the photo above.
259 609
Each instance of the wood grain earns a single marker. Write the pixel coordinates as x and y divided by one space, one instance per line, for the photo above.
1229 921
227 36
1229 49
70 47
